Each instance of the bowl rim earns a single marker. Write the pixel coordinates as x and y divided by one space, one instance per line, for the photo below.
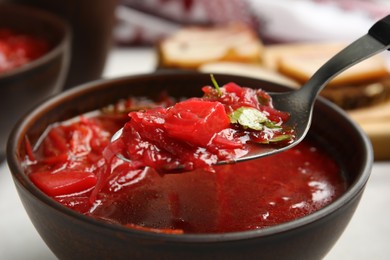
21 127
42 15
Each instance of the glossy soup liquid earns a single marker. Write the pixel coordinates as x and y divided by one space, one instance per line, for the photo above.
237 197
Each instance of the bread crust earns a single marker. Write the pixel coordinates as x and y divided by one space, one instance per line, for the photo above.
301 61
191 47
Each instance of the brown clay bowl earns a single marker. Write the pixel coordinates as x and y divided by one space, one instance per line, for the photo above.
74 236
25 86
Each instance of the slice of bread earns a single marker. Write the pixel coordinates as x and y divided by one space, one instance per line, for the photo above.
193 46
301 61
365 84
273 54
375 121
248 70
365 94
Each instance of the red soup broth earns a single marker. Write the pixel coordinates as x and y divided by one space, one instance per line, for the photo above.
69 167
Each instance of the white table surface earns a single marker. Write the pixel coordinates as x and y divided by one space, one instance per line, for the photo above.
366 237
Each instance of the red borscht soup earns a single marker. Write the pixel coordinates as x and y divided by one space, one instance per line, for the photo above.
74 162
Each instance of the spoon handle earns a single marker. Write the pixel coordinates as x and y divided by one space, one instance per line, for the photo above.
377 40
381 30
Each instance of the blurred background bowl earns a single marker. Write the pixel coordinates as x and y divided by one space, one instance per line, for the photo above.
23 87
72 235
92 24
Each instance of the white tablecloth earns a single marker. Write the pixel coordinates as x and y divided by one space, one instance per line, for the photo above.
366 237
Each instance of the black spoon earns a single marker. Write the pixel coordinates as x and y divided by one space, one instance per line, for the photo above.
299 103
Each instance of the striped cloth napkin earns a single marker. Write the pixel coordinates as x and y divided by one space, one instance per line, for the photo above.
147 21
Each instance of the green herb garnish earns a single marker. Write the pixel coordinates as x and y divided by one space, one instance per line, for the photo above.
249 117
216 86
280 138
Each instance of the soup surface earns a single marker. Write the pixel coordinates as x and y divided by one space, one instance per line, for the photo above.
72 164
